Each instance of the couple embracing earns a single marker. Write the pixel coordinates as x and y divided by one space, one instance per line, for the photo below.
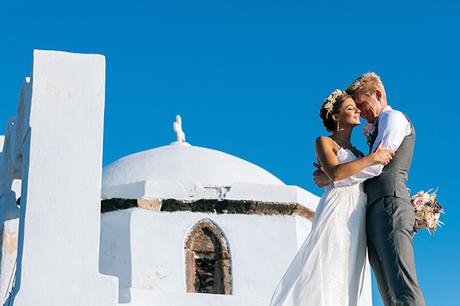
365 206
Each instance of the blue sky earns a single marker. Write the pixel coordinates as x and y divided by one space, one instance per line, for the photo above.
248 78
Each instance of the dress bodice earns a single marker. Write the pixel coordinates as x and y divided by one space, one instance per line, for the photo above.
345 155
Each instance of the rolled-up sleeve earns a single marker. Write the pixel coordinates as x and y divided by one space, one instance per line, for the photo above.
361 176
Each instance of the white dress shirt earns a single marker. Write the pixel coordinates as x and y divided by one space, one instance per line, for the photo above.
393 126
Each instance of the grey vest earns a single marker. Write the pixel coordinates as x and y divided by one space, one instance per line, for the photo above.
392 181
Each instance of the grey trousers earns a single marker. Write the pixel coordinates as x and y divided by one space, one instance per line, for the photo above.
390 226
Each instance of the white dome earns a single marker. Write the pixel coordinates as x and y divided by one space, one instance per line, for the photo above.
185 163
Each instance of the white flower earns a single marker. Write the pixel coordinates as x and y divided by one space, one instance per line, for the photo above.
426 197
328 106
329 102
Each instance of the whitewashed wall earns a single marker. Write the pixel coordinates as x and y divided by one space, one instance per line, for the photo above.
261 249
60 208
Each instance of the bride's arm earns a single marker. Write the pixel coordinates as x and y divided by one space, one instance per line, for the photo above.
327 158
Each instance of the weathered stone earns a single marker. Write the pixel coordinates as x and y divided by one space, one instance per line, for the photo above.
244 207
207 258
150 204
117 204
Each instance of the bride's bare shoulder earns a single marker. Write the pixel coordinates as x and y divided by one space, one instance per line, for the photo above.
324 143
323 139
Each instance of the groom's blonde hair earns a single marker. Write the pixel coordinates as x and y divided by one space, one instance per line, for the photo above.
366 84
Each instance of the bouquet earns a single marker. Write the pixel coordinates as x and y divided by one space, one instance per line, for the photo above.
427 211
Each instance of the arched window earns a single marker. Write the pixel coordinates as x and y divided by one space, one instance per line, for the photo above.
207 260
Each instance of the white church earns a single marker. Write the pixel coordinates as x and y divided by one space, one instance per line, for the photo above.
177 225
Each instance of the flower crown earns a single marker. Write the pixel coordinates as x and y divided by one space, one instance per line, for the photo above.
328 104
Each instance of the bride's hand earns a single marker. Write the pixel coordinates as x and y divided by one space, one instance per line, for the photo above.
382 156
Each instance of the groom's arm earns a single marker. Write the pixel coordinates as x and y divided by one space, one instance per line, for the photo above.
393 127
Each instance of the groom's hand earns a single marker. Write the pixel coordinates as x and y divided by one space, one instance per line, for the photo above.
319 177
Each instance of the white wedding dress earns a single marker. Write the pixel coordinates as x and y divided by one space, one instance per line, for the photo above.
328 269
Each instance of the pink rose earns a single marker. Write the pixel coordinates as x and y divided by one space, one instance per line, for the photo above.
418 202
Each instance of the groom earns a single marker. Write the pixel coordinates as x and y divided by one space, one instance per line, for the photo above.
390 216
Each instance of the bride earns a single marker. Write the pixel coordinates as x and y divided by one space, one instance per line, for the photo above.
328 269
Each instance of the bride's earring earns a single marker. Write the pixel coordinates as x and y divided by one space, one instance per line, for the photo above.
338 126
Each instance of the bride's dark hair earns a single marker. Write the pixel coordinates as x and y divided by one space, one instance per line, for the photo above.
332 106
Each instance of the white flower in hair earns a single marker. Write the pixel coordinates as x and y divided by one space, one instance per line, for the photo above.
328 104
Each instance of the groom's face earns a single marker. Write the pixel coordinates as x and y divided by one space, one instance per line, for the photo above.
369 106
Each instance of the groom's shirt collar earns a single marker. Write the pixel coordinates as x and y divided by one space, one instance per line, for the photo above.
384 110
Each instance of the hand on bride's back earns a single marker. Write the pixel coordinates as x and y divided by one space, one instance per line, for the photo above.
382 156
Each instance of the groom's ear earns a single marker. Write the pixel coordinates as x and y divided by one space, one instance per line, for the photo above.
378 94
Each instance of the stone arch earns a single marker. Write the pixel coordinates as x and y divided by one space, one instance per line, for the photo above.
207 260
